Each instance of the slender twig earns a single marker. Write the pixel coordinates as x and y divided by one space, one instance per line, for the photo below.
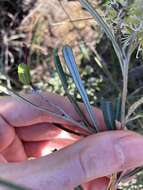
136 91
127 52
124 94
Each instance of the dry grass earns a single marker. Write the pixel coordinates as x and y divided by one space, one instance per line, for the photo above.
55 26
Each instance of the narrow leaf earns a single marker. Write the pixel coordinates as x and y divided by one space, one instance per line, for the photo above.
80 113
24 74
70 61
10 185
60 70
63 78
132 173
107 109
106 29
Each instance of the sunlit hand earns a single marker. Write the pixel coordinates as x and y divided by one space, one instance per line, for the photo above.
27 132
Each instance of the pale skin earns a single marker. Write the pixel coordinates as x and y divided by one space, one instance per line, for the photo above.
27 132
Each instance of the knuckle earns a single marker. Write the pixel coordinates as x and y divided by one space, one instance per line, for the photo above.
87 160
100 161
120 157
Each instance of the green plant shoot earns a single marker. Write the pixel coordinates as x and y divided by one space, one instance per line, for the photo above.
24 74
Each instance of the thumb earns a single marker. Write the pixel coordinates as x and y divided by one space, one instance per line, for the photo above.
90 158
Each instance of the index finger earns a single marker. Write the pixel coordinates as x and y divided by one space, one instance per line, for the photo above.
96 156
22 114
93 157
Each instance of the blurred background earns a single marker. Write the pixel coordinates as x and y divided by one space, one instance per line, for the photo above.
31 29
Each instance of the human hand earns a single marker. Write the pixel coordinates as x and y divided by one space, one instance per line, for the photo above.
89 159
22 122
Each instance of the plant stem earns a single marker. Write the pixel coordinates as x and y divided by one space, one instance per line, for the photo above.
112 183
124 93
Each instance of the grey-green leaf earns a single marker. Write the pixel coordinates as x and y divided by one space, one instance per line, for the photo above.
63 78
107 109
70 61
60 70
80 113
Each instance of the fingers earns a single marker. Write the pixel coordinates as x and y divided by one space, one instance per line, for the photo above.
97 184
38 132
43 132
22 114
15 151
25 114
93 157
42 148
7 134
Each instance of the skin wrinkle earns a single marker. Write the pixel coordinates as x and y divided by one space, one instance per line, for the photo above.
121 156
11 154
130 140
80 171
65 171
7 133
120 151
88 158
81 164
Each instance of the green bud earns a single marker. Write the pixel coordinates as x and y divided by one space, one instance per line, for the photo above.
24 74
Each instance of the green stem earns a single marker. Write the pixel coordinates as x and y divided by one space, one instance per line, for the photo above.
124 94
